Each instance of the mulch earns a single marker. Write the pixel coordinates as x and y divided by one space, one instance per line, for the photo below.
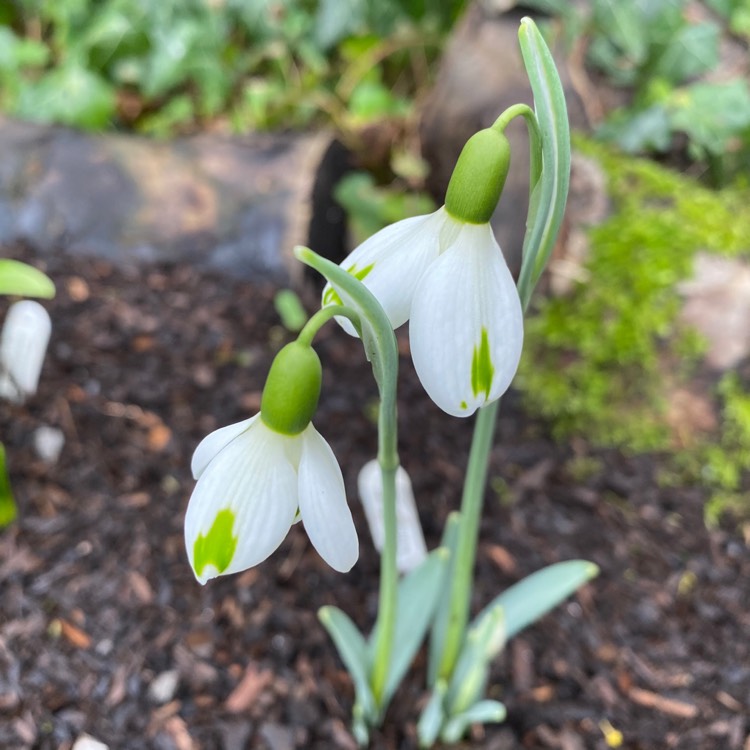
105 632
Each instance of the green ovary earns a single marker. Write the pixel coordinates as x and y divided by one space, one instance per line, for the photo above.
218 546
331 296
481 367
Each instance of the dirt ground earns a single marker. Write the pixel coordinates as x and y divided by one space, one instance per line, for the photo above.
104 630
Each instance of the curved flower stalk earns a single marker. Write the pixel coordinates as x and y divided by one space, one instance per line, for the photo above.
446 274
257 477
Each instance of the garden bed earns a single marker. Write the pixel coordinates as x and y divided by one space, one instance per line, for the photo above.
105 631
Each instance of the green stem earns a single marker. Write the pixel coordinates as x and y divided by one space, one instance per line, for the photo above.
380 343
387 603
468 532
311 328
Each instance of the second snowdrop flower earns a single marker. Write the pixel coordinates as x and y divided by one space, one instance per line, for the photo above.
446 274
257 477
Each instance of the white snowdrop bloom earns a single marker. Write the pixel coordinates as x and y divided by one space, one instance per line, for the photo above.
446 274
257 477
23 345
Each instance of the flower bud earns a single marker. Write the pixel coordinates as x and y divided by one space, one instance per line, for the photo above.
479 177
290 396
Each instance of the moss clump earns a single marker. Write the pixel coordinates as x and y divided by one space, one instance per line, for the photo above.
601 361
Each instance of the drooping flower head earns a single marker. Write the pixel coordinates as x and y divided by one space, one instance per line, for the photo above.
257 477
445 274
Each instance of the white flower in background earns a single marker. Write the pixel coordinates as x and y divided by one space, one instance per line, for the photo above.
446 274
257 477
411 549
23 344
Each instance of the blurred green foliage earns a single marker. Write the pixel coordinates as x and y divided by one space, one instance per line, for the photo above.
600 362
662 50
371 207
175 65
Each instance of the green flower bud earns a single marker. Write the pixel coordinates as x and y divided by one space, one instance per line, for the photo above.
479 177
290 396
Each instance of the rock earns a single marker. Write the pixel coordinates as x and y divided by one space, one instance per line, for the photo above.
86 742
234 204
717 304
484 47
277 737
163 686
48 443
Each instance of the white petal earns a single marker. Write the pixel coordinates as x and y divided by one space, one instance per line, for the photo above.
399 255
410 544
251 479
322 502
214 442
23 344
467 306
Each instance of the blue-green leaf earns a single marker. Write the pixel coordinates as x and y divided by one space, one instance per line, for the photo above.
534 596
484 640
8 510
440 621
482 712
24 280
547 207
433 716
418 595
353 651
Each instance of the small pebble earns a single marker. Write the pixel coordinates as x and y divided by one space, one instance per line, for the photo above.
48 443
87 742
163 687
277 737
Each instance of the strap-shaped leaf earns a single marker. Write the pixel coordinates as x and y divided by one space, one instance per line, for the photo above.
549 195
528 600
484 640
440 621
482 712
24 280
8 511
433 716
353 651
418 595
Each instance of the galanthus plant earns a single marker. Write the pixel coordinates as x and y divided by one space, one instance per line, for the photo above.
23 343
446 275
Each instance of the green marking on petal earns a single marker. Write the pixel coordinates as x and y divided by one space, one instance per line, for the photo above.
464 405
331 296
481 367
218 546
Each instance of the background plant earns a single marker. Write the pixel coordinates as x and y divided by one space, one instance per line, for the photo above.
180 64
666 54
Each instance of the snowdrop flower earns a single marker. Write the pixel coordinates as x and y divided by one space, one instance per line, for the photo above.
257 477
23 345
446 274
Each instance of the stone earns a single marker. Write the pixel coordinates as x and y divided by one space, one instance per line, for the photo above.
86 742
484 47
164 686
233 204
48 443
717 304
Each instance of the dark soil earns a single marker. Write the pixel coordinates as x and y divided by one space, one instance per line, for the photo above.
99 610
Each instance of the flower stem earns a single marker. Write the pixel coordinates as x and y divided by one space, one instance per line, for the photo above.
311 328
388 596
468 532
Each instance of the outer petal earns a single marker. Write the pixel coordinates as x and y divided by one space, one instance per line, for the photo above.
322 502
391 262
466 328
243 505
214 442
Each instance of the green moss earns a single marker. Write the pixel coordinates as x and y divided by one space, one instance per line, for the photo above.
600 362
